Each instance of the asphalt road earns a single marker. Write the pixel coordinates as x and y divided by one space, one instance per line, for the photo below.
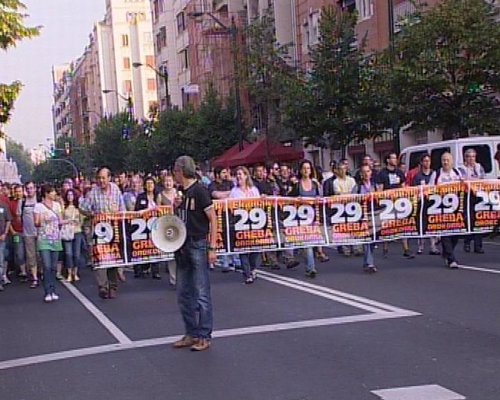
344 335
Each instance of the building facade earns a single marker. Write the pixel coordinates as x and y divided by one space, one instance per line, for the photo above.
62 79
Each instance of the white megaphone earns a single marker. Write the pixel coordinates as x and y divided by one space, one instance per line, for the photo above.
168 233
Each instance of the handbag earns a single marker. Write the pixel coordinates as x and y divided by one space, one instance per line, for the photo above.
67 232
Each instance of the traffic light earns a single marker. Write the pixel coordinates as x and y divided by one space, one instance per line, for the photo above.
67 148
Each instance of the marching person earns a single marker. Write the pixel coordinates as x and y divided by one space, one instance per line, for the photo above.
446 174
423 177
246 189
196 209
30 233
105 197
5 221
72 247
472 170
48 219
307 186
147 201
16 230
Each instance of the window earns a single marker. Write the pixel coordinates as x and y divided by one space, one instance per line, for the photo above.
183 60
415 158
365 8
483 155
148 38
436 156
125 40
151 84
127 86
181 24
161 38
150 60
126 62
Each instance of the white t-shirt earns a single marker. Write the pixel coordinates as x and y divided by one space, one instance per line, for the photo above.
49 230
445 177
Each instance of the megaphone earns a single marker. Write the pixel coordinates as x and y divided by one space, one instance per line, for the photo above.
168 233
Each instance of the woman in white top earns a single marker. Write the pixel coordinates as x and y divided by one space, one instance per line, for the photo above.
72 247
245 189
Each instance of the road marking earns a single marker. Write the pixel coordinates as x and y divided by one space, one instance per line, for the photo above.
342 297
425 392
224 333
492 243
98 314
491 271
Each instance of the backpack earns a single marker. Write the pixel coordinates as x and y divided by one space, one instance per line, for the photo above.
438 174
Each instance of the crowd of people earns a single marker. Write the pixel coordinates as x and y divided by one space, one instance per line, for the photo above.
47 230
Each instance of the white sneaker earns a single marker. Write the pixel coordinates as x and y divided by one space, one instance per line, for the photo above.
55 297
453 265
48 298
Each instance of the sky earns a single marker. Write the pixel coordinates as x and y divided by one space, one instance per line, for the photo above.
67 25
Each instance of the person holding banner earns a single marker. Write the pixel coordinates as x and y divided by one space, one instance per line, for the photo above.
307 186
147 201
105 197
472 170
366 185
447 174
391 177
245 189
423 177
196 209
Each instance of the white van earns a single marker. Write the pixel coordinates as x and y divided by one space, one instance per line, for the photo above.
486 147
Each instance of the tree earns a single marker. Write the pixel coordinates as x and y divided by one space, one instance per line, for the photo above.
22 158
445 69
269 76
12 29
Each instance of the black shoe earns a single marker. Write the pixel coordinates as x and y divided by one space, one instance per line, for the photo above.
292 264
479 251
275 266
408 255
156 276
467 247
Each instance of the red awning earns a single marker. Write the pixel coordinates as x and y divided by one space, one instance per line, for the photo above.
260 151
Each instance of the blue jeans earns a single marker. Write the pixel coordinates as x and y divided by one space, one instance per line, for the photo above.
249 262
310 259
368 255
49 260
2 259
73 251
18 250
193 288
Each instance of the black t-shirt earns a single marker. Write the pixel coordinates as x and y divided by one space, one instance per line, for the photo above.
285 186
421 178
328 186
195 201
222 186
264 186
390 179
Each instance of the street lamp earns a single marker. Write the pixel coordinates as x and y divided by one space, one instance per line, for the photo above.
128 99
233 31
163 75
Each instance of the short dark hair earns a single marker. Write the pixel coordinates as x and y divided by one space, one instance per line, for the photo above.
388 156
46 189
218 170
424 156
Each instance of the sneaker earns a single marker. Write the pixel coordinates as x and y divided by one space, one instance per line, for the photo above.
59 277
6 280
185 341
254 274
34 284
453 265
408 254
292 264
23 277
434 252
55 297
248 280
200 345
48 298
420 251
1 288
312 273
370 269
275 267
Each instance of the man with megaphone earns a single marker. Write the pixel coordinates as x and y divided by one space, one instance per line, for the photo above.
196 210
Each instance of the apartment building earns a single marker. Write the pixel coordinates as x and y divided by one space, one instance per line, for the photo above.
112 75
62 80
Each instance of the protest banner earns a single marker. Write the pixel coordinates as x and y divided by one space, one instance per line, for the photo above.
395 213
252 224
348 219
443 209
484 205
300 222
108 238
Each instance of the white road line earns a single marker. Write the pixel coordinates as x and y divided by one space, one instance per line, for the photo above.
98 314
424 392
492 243
357 301
491 271
250 330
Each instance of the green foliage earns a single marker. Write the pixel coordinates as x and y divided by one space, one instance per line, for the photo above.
12 29
18 153
444 72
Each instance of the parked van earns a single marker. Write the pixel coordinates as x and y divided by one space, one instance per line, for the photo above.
487 147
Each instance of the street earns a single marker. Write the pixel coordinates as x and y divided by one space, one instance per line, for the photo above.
414 330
